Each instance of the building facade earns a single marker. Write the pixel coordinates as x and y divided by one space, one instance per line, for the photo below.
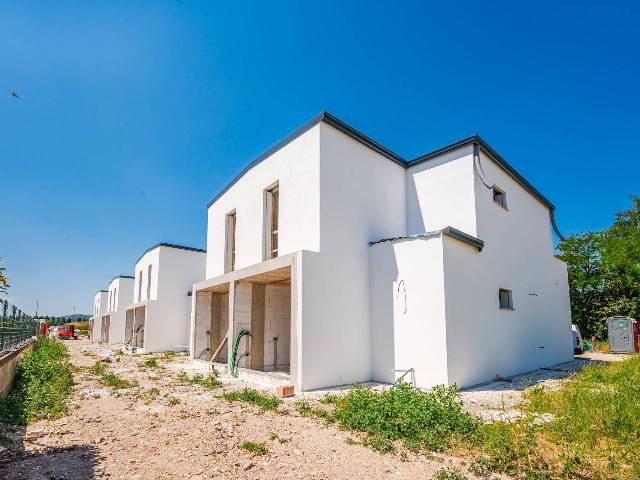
346 263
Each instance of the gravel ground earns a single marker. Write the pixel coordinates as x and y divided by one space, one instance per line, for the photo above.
185 431
498 400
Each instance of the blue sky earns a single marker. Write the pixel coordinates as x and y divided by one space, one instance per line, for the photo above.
134 114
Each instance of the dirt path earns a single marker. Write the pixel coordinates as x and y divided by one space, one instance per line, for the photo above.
185 431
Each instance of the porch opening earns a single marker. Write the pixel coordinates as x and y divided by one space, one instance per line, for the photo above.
104 329
128 327
139 320
263 308
212 324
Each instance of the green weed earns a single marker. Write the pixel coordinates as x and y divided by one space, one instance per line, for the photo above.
253 396
116 382
450 474
150 363
430 420
255 447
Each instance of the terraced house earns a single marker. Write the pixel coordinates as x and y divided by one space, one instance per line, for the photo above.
332 260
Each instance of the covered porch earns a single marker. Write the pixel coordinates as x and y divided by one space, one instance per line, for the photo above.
135 323
253 308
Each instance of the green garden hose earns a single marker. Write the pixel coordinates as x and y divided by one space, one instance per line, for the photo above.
234 352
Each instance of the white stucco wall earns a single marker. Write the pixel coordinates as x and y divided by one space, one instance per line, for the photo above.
296 168
408 311
483 340
100 305
121 295
173 273
362 199
440 193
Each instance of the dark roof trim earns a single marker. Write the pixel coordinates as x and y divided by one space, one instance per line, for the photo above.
447 231
120 276
476 139
463 237
321 117
359 137
102 291
171 245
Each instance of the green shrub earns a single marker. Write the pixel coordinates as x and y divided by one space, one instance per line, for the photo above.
450 474
255 447
430 420
305 409
99 368
253 396
42 385
210 381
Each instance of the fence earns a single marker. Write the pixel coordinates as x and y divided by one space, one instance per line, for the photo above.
16 327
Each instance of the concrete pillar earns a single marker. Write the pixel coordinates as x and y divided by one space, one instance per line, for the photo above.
232 301
256 357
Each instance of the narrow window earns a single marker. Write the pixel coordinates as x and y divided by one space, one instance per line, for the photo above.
499 197
149 282
506 298
230 245
272 197
140 285
115 295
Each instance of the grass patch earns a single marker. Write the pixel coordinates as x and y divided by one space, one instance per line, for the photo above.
42 385
450 474
253 396
210 381
305 409
430 420
116 382
589 427
150 363
99 368
172 401
258 448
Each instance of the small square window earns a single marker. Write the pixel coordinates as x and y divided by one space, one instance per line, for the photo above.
506 298
499 197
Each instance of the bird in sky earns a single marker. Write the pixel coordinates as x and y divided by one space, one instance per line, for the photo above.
15 94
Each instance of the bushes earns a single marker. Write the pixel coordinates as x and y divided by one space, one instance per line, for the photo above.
431 420
42 384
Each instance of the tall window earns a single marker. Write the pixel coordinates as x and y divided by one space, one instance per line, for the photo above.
271 210
230 244
505 298
140 285
115 295
500 197
149 282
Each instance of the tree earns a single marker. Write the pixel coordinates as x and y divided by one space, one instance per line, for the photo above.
604 272
4 282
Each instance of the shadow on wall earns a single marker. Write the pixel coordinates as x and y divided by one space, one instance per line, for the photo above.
78 462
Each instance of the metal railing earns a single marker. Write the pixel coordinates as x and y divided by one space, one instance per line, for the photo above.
16 327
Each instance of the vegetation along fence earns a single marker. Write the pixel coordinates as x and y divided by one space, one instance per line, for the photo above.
16 327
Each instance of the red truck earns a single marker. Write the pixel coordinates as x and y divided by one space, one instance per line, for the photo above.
65 332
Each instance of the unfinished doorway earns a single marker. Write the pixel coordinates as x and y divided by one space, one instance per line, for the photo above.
212 324
263 308
128 327
139 320
104 331
270 328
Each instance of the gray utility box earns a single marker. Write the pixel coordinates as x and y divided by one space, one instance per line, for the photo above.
623 334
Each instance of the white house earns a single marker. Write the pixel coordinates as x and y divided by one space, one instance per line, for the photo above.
158 317
99 309
119 296
348 263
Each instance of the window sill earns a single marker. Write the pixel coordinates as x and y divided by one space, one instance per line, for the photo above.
506 209
508 309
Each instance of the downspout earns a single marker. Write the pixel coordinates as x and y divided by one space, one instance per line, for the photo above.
554 226
478 166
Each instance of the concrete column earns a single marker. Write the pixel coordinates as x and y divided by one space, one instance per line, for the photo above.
232 301
256 357
216 314
295 357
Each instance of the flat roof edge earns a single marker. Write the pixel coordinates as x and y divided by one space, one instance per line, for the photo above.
171 245
447 231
